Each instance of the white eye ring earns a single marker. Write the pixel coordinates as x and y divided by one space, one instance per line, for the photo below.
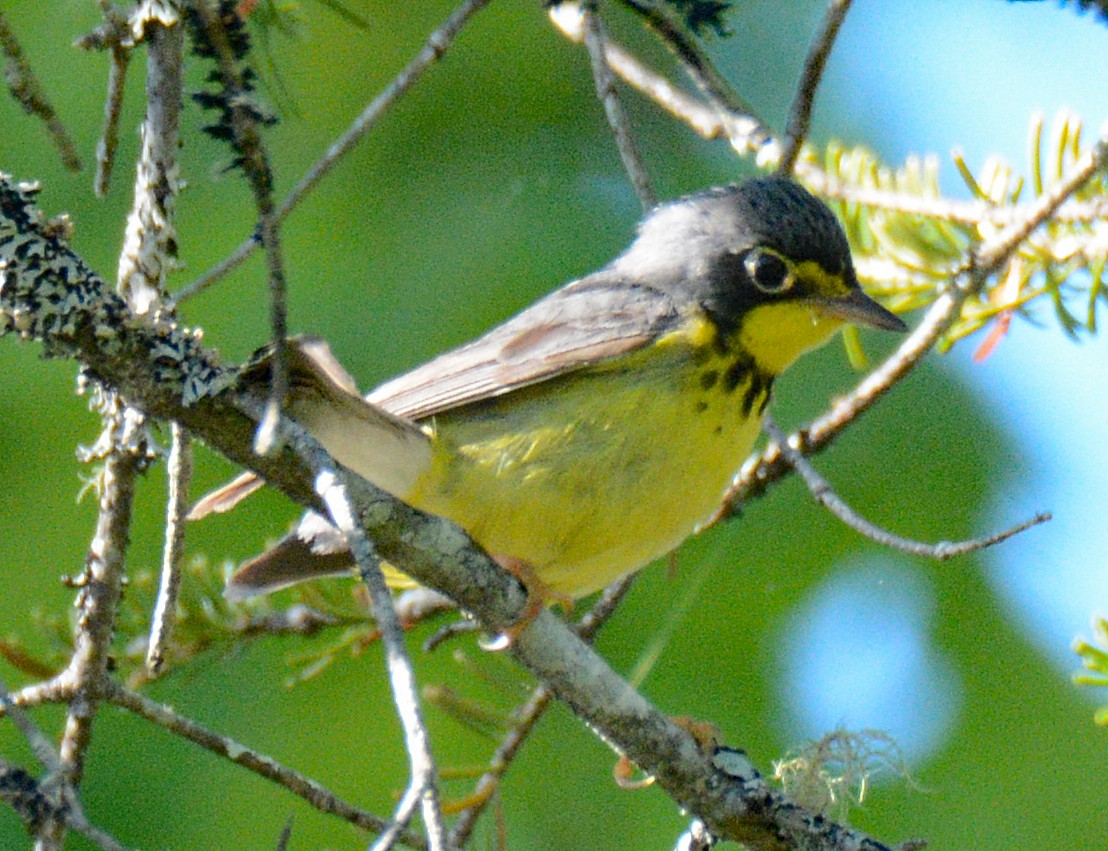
769 271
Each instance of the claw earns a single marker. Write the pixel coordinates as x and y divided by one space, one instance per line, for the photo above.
539 596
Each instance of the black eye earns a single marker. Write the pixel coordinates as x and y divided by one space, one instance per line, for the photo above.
769 272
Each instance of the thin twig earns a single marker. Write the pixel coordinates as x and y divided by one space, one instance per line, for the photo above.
33 803
255 164
114 34
705 121
695 62
800 112
423 786
285 836
629 152
179 473
40 745
524 720
26 89
723 116
433 50
303 787
65 806
403 813
746 131
526 717
113 108
825 495
770 465
97 603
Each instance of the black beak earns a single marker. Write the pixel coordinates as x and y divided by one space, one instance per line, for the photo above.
858 308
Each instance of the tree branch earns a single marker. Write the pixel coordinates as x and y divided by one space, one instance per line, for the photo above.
594 38
303 787
433 50
25 88
422 790
804 99
825 495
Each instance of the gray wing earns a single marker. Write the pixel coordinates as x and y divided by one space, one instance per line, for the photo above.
583 323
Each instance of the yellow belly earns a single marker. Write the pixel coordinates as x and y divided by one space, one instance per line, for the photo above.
591 476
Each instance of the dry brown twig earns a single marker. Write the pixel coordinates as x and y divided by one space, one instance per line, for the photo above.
26 89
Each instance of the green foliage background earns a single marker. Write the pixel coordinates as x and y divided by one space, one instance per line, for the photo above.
493 182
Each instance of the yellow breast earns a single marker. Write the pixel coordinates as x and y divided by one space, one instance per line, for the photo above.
592 475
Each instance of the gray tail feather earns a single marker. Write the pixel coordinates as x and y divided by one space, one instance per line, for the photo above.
290 561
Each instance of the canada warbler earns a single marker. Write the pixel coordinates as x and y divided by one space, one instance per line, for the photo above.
592 432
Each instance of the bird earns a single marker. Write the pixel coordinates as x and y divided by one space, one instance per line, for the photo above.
594 431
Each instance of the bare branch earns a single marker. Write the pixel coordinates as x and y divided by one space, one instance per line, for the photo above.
423 785
150 245
40 745
101 586
179 473
405 809
526 717
303 787
25 88
114 35
32 801
36 806
113 108
695 62
800 113
826 496
629 153
433 50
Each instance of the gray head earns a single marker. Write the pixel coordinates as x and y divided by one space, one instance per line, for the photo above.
737 247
